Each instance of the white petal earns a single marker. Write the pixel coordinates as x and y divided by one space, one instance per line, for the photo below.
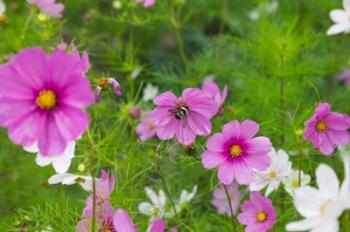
162 199
338 28
346 5
42 160
32 148
152 196
145 208
339 16
2 7
259 183
59 178
327 181
327 226
303 225
307 201
61 164
87 185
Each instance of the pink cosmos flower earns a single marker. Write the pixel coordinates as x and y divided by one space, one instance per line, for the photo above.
258 214
42 99
183 117
327 129
220 202
105 185
48 7
103 83
146 129
212 90
345 76
147 3
135 112
237 153
158 225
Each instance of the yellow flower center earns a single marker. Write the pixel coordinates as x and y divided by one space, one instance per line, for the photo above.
155 212
230 196
325 205
103 82
235 150
261 217
295 183
321 126
272 174
46 99
150 126
79 180
2 18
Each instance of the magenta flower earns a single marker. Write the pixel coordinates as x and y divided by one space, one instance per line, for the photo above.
345 76
213 91
327 129
135 112
122 222
146 129
158 225
237 153
147 3
258 214
103 83
48 7
42 99
220 202
183 117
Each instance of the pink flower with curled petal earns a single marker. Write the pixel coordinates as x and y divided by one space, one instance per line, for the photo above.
49 7
212 90
103 83
122 222
258 214
220 202
327 129
146 129
42 100
158 225
237 153
105 185
147 3
184 117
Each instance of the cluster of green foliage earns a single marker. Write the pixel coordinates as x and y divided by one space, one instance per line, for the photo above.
277 69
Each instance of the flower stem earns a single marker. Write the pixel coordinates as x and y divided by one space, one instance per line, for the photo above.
168 193
181 46
282 96
230 206
93 223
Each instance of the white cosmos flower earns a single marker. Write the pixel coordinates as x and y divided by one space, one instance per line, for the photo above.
268 8
321 207
185 198
2 7
61 163
345 188
150 92
69 179
157 206
293 182
280 167
341 18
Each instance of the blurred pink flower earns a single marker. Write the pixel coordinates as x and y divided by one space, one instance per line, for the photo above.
105 185
158 225
327 129
147 3
135 112
258 213
220 199
237 153
42 99
184 117
146 129
103 83
213 91
48 7
345 76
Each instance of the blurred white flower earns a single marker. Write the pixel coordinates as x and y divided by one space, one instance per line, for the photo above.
341 19
268 8
61 163
117 4
280 167
69 179
321 207
2 7
149 92
47 229
155 208
185 198
293 182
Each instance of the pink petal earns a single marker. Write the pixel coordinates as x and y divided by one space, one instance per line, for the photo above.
248 129
157 225
216 143
198 123
243 173
184 134
122 221
326 146
168 131
212 159
338 121
231 130
259 162
167 99
226 172
340 138
259 145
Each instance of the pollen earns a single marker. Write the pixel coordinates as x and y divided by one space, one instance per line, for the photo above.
103 82
261 216
235 150
295 184
272 174
321 126
325 205
46 99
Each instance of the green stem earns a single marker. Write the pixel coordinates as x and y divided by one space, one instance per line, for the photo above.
181 46
93 224
168 193
346 220
230 206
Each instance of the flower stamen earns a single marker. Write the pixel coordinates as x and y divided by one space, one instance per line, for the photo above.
321 126
235 150
46 99
261 216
